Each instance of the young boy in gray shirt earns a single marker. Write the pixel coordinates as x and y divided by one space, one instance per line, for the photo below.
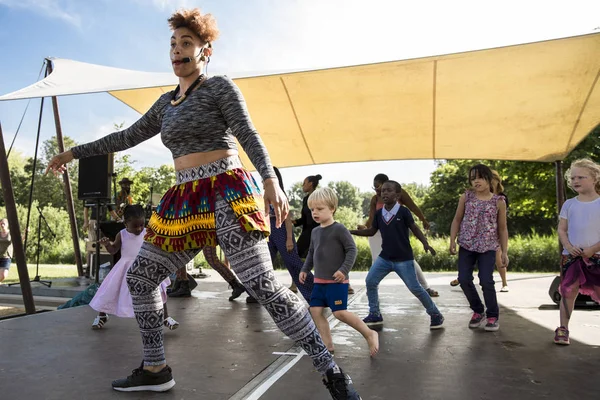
332 252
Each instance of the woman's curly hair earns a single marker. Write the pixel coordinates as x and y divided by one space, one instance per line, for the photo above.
203 25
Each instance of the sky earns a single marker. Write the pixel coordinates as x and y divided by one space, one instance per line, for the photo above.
257 36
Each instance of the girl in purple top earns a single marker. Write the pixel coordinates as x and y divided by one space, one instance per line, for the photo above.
480 224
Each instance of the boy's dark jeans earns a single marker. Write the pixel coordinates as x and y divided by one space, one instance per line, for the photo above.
485 263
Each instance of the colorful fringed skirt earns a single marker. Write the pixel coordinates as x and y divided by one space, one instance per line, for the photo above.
582 274
185 216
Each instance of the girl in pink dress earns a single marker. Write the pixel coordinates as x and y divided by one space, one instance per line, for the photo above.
113 296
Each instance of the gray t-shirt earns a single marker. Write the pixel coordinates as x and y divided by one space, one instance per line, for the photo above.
331 249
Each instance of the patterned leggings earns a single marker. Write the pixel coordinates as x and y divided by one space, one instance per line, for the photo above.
292 261
249 257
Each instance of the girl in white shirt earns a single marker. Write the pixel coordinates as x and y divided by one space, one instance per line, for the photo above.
579 233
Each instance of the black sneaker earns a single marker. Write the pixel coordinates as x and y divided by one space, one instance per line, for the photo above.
251 299
142 380
238 290
339 385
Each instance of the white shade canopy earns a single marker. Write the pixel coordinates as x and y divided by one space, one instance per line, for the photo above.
530 102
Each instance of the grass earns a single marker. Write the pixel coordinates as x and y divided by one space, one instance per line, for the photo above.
47 271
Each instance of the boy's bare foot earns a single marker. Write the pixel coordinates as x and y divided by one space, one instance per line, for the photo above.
373 342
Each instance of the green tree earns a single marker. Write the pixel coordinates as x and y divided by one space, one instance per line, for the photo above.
295 196
151 179
530 186
348 217
18 177
416 191
348 195
366 202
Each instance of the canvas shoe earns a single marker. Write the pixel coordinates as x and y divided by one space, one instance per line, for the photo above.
142 380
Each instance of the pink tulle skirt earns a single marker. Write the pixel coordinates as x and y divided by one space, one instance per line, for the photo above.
113 295
581 274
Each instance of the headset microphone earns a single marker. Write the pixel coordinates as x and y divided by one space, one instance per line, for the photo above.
186 60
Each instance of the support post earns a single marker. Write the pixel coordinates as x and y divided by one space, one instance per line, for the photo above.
67 187
560 195
15 230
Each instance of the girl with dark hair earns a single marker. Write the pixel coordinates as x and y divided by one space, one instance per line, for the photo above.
306 220
480 226
282 241
113 295
498 189
215 201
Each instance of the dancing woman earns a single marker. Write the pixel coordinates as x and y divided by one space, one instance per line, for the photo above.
215 200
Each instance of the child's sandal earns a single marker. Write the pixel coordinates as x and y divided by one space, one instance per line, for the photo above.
99 322
171 323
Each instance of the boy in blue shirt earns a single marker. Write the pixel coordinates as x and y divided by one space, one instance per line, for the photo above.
394 222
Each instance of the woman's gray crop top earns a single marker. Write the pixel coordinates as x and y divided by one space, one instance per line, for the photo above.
208 119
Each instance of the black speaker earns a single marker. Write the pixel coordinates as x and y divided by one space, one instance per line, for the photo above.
94 177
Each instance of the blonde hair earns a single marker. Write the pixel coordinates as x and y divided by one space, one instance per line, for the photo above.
592 167
325 196
496 186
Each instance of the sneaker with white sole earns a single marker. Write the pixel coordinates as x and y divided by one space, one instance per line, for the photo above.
561 336
340 385
171 323
437 321
142 380
504 289
99 322
373 320
475 321
492 325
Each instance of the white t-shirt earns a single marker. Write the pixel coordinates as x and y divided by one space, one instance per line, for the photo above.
583 222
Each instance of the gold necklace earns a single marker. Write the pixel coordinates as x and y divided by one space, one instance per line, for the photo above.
197 82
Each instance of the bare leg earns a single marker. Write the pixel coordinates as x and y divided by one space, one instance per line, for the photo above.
322 326
351 319
501 270
567 304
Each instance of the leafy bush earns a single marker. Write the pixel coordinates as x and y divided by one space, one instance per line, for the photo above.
534 253
53 250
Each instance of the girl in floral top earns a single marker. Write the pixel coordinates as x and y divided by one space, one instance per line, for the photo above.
480 224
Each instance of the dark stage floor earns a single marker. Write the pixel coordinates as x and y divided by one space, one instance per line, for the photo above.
225 350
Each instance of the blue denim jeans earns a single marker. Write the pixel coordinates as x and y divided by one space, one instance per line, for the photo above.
406 271
5 263
485 263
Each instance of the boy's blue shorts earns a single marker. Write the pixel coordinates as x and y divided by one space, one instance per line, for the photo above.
332 295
